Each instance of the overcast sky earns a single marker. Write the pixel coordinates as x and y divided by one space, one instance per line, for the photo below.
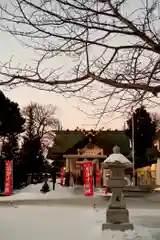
68 109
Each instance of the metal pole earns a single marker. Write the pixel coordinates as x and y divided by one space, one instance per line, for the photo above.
133 148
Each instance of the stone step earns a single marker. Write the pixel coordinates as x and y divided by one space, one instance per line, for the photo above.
144 189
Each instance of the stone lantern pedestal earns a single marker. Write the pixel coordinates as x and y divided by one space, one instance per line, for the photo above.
117 215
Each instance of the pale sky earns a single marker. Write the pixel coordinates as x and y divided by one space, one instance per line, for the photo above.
67 112
68 109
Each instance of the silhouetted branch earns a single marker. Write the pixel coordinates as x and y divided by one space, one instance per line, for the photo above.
96 43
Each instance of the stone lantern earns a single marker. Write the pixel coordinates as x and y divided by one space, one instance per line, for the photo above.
117 215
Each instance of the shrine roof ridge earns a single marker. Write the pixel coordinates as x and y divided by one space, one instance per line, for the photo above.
88 131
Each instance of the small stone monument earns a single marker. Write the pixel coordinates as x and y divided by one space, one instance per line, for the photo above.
117 215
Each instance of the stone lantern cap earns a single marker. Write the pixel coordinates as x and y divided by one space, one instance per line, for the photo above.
117 158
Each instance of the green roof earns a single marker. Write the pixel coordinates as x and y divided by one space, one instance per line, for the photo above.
65 140
107 139
112 138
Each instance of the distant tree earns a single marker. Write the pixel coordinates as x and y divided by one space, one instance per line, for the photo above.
44 121
11 121
11 125
40 127
10 148
31 154
58 162
144 134
31 151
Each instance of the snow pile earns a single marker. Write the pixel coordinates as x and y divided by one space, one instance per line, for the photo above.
33 192
101 192
69 223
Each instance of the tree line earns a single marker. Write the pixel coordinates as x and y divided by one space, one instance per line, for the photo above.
143 126
109 46
25 135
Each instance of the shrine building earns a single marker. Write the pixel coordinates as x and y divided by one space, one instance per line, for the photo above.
71 148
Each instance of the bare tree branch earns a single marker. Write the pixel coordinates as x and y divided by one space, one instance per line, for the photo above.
44 121
100 43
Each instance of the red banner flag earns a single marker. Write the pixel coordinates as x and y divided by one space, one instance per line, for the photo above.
98 176
8 178
88 178
62 176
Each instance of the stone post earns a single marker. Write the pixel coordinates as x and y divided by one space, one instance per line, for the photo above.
117 215
158 172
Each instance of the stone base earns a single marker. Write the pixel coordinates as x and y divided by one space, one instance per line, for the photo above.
117 226
117 215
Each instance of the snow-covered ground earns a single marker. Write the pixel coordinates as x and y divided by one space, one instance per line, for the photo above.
33 192
70 223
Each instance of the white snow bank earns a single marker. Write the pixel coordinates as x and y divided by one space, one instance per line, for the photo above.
33 192
69 223
101 192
